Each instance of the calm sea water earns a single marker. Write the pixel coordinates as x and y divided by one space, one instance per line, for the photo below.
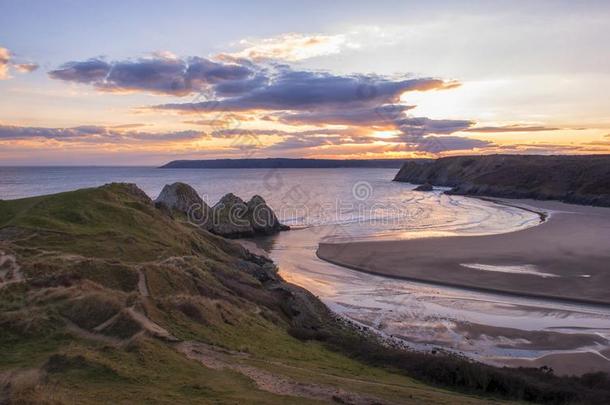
361 202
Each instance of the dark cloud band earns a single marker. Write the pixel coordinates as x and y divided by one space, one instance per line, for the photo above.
93 134
160 75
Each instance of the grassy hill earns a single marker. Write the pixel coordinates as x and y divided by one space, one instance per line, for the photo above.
573 179
104 298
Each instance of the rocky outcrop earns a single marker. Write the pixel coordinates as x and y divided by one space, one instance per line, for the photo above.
183 199
424 187
572 179
234 218
231 217
262 218
180 197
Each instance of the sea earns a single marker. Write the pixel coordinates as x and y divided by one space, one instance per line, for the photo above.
355 204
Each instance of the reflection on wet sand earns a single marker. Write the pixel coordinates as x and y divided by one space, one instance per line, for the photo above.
495 328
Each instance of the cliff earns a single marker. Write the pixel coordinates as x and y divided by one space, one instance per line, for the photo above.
572 179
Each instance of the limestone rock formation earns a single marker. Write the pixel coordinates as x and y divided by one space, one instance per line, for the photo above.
230 217
182 198
234 218
262 218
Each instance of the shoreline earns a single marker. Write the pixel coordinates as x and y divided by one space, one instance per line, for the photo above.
555 346
544 216
441 260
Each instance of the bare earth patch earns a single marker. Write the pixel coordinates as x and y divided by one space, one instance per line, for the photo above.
216 359
10 271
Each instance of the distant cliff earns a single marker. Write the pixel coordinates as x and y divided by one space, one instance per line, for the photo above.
573 179
283 163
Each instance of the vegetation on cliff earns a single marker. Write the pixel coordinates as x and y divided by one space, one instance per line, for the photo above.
572 179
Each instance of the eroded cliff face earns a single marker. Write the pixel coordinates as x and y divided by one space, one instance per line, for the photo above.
573 179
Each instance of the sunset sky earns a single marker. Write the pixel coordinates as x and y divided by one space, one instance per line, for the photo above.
143 82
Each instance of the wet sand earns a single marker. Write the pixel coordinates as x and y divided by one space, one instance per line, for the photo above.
566 258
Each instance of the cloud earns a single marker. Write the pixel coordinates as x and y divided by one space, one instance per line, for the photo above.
541 148
239 84
92 71
295 142
229 120
323 137
513 128
7 62
26 67
93 134
415 127
428 144
288 90
5 57
129 126
433 135
252 83
161 73
602 142
422 141
382 115
227 133
290 47
437 144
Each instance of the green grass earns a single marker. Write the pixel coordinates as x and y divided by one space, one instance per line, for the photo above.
106 222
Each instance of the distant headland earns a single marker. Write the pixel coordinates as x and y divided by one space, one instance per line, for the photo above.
284 163
576 179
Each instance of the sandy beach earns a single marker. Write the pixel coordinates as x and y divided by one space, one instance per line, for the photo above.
565 258
549 274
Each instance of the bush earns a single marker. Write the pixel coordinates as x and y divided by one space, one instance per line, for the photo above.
460 374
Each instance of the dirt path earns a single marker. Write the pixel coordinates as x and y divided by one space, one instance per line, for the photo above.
80 332
150 326
10 271
266 381
142 285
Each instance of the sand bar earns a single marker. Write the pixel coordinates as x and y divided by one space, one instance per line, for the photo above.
565 258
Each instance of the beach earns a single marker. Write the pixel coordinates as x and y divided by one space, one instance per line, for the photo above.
529 298
565 258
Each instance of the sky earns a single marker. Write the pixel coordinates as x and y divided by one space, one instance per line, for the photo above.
146 82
